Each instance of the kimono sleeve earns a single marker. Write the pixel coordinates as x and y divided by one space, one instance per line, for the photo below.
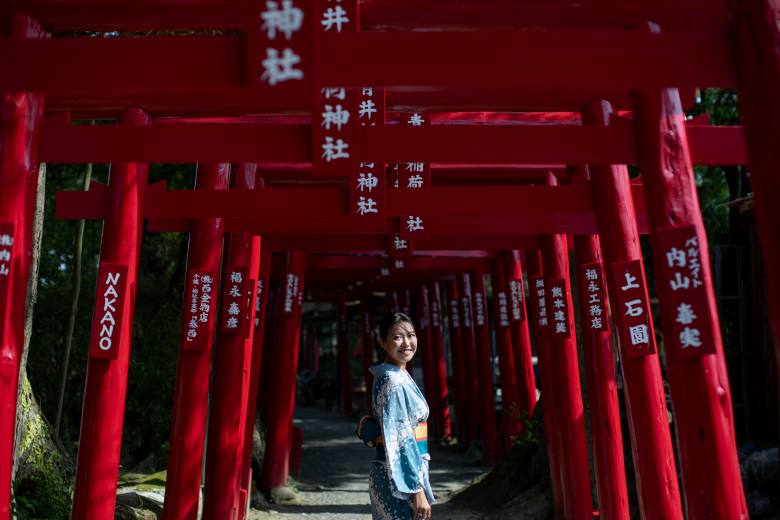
404 462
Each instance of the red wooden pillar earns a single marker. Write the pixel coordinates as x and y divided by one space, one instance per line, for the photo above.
758 79
266 391
345 381
368 349
191 393
565 369
510 400
521 337
469 345
232 364
406 308
696 367
279 411
600 373
311 332
20 116
395 302
439 365
106 387
425 352
315 350
406 302
304 357
303 350
656 474
536 293
458 361
258 342
487 401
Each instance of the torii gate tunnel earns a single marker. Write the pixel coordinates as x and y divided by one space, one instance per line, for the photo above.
408 148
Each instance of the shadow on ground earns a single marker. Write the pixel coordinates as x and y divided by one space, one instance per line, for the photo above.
334 472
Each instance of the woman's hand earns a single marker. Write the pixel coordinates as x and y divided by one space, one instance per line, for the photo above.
422 509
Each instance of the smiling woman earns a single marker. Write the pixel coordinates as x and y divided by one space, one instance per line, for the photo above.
398 482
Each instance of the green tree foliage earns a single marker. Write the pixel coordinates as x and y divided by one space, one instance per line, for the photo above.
156 326
721 108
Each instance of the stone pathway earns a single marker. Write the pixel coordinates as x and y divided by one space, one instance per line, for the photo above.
334 473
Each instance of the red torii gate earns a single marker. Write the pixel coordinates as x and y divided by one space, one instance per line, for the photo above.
604 61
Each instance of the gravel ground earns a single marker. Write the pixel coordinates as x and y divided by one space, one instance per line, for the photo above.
334 473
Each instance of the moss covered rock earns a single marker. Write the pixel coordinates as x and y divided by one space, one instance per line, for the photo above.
132 504
43 481
140 496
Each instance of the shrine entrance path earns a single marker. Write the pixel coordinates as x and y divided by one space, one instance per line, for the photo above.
334 473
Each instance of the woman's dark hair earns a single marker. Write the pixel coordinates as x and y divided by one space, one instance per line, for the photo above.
386 323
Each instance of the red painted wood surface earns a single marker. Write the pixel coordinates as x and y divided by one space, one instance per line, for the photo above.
441 143
535 269
473 233
406 301
430 263
375 14
395 302
510 398
654 465
425 351
487 398
109 300
102 419
469 344
191 390
699 384
626 58
467 210
608 59
758 72
564 367
355 242
600 373
237 102
315 353
521 337
284 358
457 361
369 347
19 128
603 398
296 451
441 392
601 376
258 345
508 13
343 357
231 374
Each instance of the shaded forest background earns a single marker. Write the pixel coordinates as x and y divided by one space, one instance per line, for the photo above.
158 309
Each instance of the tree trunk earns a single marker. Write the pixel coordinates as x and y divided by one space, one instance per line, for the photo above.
41 471
32 296
74 304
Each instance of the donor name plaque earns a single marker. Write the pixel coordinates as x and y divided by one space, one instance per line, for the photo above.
109 306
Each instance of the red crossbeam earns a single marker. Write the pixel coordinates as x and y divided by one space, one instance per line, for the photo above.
532 59
239 101
424 263
574 223
521 210
607 59
446 144
378 243
303 204
150 15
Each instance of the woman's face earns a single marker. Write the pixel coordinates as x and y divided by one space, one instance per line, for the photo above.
400 343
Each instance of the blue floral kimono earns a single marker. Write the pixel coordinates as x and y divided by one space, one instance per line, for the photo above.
400 470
